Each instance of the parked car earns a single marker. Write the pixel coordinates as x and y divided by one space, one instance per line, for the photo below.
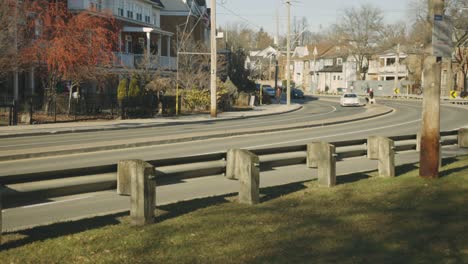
297 93
350 99
267 89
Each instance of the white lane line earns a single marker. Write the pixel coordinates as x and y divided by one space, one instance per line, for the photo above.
335 135
57 202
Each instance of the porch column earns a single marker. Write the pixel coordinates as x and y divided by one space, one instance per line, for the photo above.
168 46
159 45
120 41
148 47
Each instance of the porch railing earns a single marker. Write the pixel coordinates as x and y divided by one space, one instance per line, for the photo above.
135 61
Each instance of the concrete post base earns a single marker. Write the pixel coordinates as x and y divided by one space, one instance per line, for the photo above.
231 156
463 138
142 191
386 157
323 156
248 173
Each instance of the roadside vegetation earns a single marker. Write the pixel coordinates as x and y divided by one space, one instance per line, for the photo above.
364 219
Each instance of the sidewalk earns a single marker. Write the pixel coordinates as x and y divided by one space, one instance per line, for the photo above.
90 126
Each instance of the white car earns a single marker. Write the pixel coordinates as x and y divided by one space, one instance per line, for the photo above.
350 99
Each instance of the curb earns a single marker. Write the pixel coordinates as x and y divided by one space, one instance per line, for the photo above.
186 139
74 130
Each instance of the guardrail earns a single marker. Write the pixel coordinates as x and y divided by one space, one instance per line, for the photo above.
235 164
98 178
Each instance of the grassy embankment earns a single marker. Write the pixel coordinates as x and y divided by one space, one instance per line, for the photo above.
363 220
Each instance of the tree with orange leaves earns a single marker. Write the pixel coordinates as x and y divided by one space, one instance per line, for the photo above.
72 47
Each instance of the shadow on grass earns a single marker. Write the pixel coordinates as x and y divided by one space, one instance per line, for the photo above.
271 193
350 178
447 172
406 168
61 229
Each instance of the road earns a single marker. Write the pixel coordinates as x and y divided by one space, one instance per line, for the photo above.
405 120
313 110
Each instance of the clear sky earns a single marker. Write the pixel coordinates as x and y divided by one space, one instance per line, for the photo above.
320 14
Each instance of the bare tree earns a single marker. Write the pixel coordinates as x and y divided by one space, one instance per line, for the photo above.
361 30
458 10
13 28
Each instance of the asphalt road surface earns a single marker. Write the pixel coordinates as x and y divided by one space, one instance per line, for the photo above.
405 120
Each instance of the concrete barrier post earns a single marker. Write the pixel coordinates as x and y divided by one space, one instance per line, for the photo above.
231 164
125 170
386 157
373 148
327 165
247 167
312 155
463 138
143 193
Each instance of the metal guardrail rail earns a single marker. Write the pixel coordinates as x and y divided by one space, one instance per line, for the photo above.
98 178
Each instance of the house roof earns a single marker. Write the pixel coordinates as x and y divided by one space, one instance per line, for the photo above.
158 2
174 5
307 52
336 51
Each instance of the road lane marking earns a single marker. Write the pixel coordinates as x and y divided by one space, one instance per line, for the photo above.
335 135
57 202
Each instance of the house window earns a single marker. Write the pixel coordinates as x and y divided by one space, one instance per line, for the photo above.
334 77
128 44
95 5
120 11
391 61
147 19
339 61
139 17
130 14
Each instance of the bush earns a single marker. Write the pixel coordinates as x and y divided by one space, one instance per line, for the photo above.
196 99
122 90
134 89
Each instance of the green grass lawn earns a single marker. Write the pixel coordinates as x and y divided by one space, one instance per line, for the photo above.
363 220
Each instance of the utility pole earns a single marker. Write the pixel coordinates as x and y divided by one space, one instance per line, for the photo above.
397 66
315 69
288 56
213 60
430 132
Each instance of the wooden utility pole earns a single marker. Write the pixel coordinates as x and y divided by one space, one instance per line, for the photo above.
430 132
288 56
397 67
213 60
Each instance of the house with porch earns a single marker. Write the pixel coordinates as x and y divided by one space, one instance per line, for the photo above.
140 35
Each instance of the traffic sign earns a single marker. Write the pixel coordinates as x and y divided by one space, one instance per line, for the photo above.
453 94
396 90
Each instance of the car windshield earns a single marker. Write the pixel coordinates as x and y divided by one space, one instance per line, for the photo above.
269 89
349 96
